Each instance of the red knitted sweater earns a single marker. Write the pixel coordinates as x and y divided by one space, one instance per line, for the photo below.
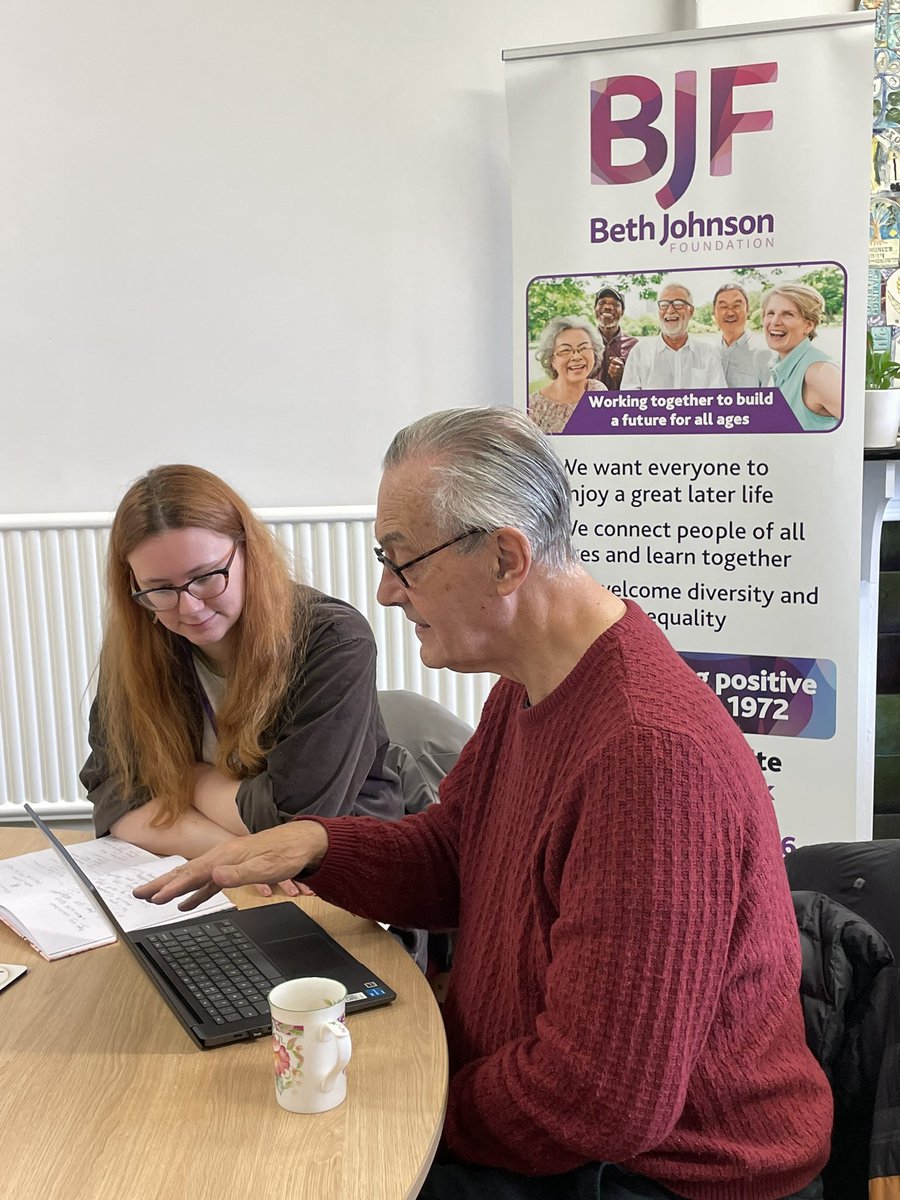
625 986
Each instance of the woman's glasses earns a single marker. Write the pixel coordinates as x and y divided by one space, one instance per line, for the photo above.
565 352
201 587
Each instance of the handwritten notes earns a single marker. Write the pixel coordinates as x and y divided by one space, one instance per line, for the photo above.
42 902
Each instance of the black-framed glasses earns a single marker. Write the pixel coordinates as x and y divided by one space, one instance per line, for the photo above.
201 587
399 568
678 305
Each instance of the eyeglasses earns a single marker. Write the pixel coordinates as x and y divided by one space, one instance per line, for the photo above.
565 352
201 587
399 568
678 305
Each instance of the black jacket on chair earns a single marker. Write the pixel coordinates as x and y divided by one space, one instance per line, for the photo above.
850 993
863 876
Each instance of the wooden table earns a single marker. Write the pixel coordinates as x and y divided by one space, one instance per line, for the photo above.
103 1096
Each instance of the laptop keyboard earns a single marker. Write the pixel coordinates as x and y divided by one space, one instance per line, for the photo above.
218 968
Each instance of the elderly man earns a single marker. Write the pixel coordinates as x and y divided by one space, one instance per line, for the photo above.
674 360
608 309
625 983
746 364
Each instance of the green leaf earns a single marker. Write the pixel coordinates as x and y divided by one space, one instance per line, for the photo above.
881 370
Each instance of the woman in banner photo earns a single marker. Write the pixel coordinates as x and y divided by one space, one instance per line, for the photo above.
808 379
230 698
568 350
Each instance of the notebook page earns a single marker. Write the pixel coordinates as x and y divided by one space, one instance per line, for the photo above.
117 867
41 901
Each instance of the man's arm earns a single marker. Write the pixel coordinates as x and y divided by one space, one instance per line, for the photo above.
763 360
611 373
405 872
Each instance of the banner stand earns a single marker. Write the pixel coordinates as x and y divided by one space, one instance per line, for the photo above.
690 269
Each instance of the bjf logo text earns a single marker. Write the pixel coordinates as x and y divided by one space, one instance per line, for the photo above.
724 122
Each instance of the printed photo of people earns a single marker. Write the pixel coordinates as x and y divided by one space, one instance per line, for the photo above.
748 327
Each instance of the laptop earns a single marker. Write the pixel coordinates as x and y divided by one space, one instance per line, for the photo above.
215 971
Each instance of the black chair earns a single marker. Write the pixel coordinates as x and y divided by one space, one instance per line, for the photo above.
847 899
863 876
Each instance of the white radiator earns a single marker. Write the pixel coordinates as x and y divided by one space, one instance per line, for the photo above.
51 595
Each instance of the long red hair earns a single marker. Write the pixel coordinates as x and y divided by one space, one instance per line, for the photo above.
147 704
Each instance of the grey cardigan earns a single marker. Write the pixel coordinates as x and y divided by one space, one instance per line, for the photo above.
329 741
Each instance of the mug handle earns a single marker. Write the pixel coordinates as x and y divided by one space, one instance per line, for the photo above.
342 1044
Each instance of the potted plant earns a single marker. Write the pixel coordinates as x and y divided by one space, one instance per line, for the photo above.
882 398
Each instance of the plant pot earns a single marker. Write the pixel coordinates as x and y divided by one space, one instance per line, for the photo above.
882 418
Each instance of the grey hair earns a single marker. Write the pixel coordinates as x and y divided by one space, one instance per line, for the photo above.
730 287
674 283
492 467
551 331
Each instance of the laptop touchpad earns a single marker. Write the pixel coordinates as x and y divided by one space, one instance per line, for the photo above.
304 955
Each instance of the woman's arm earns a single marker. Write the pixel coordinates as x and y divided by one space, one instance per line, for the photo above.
211 821
214 797
822 389
189 835
103 791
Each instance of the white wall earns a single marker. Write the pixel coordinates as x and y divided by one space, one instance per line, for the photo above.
257 236
712 13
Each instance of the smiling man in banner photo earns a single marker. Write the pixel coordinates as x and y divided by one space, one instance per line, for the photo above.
609 307
747 364
674 360
623 1013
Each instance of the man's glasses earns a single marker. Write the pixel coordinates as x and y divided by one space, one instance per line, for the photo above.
678 305
201 587
399 568
565 352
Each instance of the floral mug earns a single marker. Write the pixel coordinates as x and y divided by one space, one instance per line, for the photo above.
311 1044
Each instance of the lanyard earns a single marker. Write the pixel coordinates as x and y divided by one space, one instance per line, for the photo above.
204 699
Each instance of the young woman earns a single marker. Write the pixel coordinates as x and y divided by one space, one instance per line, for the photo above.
229 697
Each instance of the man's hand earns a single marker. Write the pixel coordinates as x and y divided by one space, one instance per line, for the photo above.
267 857
614 368
215 797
